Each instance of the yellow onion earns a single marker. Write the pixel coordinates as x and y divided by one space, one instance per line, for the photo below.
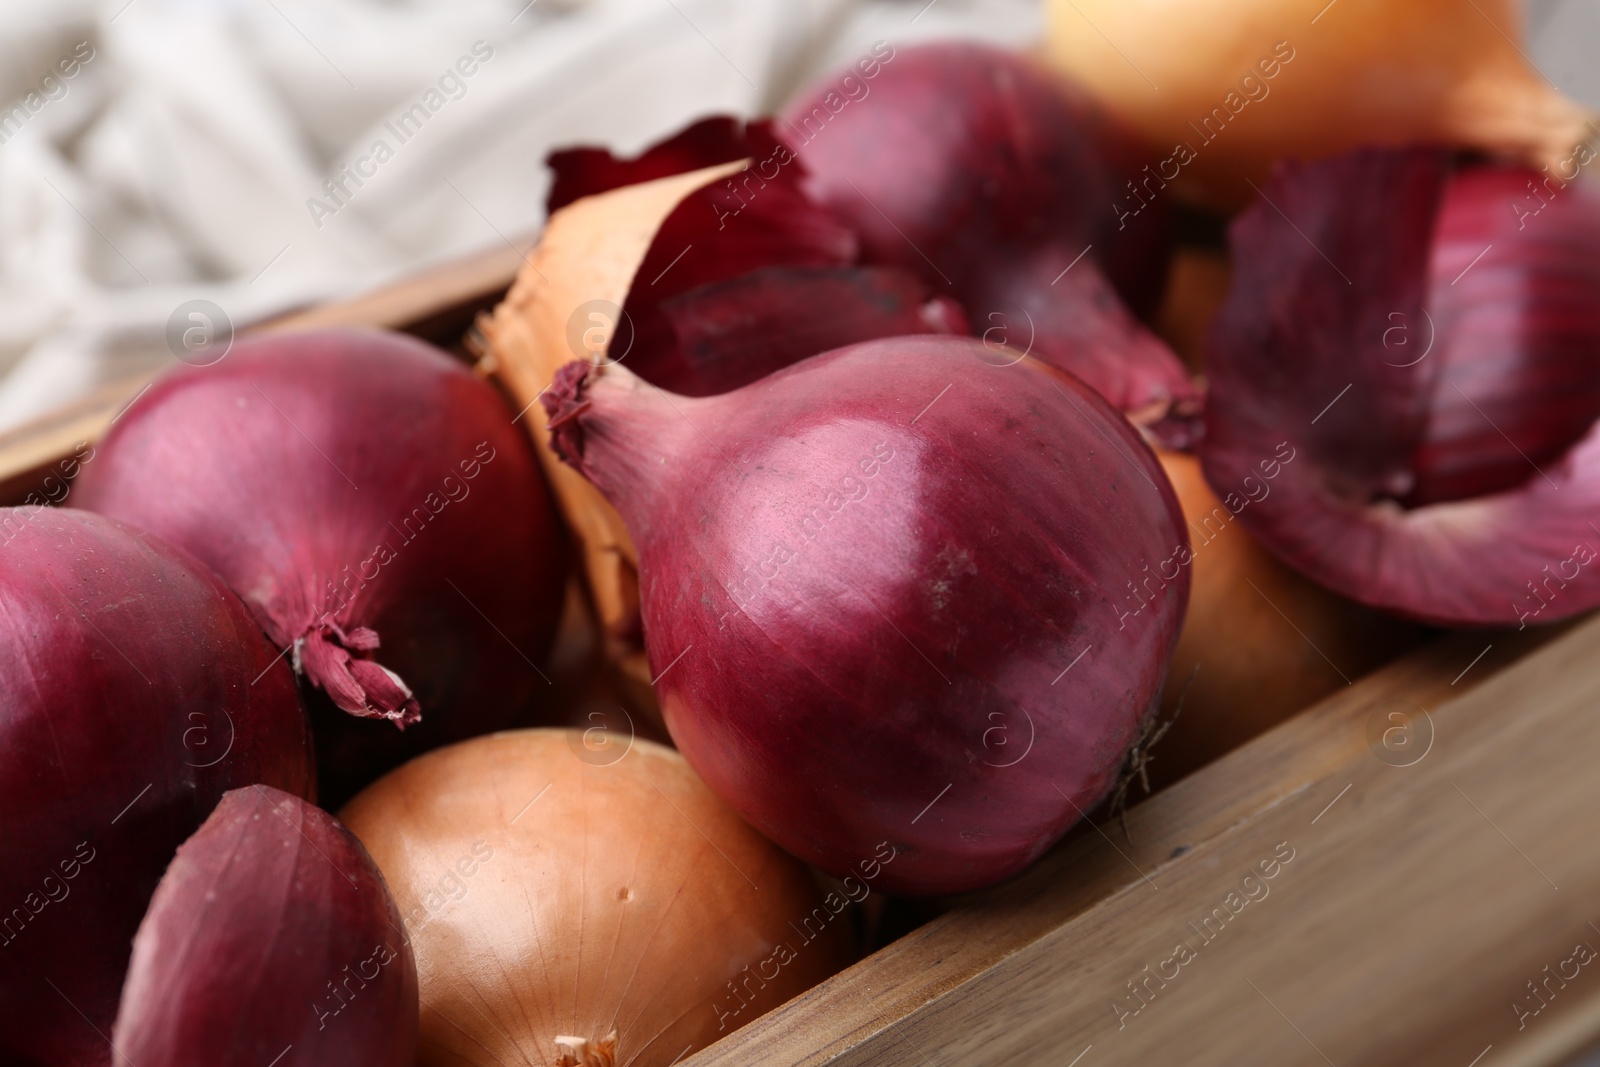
1260 642
1307 78
582 904
1197 287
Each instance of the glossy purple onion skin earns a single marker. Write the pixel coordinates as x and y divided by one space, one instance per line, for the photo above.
970 166
883 679
587 170
747 275
272 939
771 318
290 467
1407 371
1514 296
135 689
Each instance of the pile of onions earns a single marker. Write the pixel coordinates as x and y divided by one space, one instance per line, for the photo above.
1440 386
1224 88
894 596
374 505
135 690
703 276
592 905
974 168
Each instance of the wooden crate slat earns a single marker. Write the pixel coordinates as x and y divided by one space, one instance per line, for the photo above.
1399 934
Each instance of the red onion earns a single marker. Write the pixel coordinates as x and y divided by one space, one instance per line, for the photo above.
587 170
734 281
974 168
731 332
271 939
134 690
373 503
1438 386
889 595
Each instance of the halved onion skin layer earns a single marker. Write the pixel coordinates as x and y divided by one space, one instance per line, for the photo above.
135 690
272 939
1406 299
894 596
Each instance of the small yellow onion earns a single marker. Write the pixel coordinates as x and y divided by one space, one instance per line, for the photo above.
582 904
1259 643
1220 89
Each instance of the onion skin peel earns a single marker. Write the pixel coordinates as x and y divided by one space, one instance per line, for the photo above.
743 276
1439 384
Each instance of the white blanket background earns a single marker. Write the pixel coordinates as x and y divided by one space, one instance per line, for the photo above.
176 160
157 151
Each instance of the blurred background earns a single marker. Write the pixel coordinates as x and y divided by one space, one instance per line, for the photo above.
186 155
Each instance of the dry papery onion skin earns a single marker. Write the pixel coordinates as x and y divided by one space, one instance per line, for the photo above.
1221 89
734 277
591 905
589 254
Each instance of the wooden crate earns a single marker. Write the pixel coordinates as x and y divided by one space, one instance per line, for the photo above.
1422 880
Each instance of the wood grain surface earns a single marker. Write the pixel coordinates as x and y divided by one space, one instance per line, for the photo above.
1419 900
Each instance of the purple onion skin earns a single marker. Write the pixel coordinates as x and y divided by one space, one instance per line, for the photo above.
588 170
711 238
356 486
1438 385
272 939
866 581
731 333
135 689
978 171
1514 301
747 275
